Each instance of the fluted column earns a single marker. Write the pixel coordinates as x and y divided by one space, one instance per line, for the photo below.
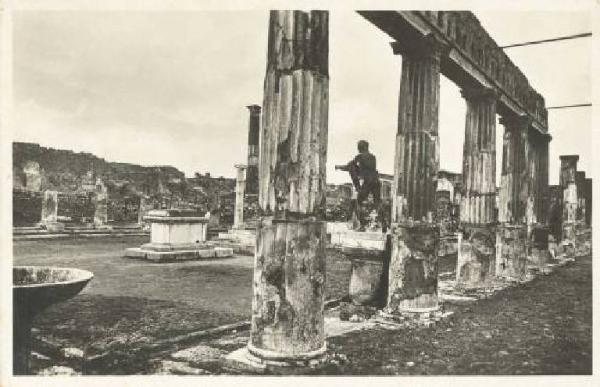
568 184
253 149
476 251
417 142
479 158
289 268
514 186
415 235
240 189
515 203
537 228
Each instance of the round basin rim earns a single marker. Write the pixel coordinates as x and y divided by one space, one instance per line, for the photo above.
87 276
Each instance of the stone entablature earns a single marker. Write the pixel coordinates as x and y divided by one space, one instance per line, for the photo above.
474 57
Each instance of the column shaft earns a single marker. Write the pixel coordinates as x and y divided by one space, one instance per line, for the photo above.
413 262
289 271
476 248
515 203
417 143
253 149
240 189
479 158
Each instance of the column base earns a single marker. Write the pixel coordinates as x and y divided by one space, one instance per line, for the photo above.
246 361
476 262
288 290
511 251
413 268
539 254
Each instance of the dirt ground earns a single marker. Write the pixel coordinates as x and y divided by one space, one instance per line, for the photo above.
542 327
130 302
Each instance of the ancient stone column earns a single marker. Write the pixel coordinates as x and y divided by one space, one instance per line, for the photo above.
413 263
514 200
581 210
240 189
100 204
253 149
49 207
588 201
543 186
289 270
568 183
476 253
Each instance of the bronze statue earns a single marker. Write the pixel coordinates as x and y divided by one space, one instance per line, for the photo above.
365 177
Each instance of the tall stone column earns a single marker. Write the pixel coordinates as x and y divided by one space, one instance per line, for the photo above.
415 235
253 149
476 252
581 210
568 184
289 269
588 201
537 227
514 203
240 189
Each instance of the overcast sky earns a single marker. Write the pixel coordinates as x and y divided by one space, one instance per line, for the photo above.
170 88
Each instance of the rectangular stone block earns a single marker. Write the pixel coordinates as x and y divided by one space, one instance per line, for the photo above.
476 262
511 251
413 268
363 240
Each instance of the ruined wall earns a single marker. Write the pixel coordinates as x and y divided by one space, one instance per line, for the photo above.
37 169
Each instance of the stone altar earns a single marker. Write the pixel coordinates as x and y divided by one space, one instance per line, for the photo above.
177 235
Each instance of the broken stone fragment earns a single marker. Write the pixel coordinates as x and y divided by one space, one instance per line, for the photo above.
72 353
58 371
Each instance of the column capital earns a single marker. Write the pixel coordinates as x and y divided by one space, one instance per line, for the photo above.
517 122
240 166
428 46
254 109
479 94
569 158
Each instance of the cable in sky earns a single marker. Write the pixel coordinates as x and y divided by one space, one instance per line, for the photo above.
576 36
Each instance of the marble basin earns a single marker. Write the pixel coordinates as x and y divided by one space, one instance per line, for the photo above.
34 289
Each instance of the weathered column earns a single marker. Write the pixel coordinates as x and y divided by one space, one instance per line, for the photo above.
514 201
581 210
100 204
476 253
415 236
240 189
289 269
537 229
588 201
567 181
49 207
543 186
253 149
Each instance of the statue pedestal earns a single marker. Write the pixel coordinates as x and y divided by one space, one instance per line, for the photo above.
366 252
177 235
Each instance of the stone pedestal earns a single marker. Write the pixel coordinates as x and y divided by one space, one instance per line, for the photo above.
49 207
476 262
366 252
289 285
511 251
413 268
539 254
177 235
100 204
